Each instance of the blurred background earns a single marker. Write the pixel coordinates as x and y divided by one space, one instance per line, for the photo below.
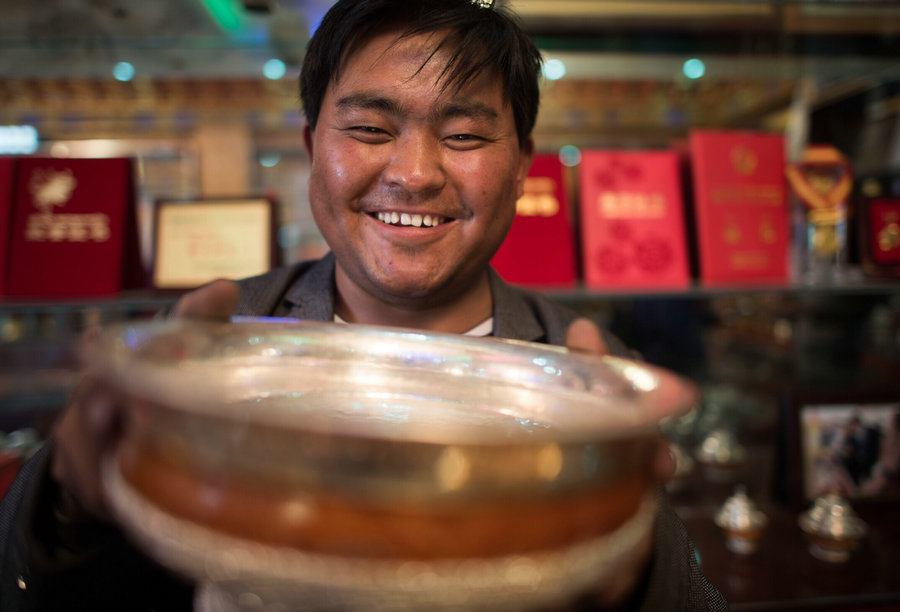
204 92
203 95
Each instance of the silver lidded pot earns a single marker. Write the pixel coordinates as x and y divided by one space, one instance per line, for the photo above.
832 528
720 454
742 522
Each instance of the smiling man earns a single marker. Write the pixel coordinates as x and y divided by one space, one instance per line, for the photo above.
414 184
416 169
420 115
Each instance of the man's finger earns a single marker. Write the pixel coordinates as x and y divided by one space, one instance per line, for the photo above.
584 336
215 300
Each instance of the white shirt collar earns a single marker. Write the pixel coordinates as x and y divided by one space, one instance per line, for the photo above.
485 328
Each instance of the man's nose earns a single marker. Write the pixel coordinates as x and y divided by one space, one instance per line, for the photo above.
416 164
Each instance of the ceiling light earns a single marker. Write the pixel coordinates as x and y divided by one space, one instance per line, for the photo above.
274 69
18 139
554 69
123 71
694 68
569 155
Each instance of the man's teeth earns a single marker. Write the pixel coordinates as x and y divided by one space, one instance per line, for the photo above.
415 220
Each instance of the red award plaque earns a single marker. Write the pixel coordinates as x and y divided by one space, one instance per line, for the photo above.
877 207
7 173
632 220
882 242
74 229
884 220
540 249
740 206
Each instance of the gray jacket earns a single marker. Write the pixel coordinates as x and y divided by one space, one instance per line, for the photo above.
306 291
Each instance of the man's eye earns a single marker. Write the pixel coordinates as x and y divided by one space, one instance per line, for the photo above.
368 133
465 141
366 129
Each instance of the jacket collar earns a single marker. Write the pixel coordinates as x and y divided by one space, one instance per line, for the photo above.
513 316
312 298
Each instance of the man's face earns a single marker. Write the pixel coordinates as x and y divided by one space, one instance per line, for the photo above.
414 188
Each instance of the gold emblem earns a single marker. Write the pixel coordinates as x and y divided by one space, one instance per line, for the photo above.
50 188
825 240
743 160
889 237
767 231
732 233
53 188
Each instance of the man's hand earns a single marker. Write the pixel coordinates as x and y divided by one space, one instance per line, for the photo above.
90 425
584 336
216 300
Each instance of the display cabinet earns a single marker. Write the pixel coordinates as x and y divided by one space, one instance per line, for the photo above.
751 351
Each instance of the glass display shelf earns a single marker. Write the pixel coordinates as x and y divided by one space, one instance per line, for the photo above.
854 287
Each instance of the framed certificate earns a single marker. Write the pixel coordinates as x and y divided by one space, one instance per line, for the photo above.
198 241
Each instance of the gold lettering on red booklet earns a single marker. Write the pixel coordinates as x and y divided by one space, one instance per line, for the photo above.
67 227
539 199
632 205
51 189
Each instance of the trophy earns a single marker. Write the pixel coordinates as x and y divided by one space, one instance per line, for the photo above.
822 180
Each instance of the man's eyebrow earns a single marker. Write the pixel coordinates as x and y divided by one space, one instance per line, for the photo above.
463 108
369 102
450 110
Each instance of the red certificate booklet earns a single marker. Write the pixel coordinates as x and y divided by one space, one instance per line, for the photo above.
7 172
740 207
73 230
632 220
540 249
884 232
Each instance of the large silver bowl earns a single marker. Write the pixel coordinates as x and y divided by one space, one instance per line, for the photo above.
363 468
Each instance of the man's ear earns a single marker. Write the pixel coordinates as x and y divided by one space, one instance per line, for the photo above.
526 157
308 141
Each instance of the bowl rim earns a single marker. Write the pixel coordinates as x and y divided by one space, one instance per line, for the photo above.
119 354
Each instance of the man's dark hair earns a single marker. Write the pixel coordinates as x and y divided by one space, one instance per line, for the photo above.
482 38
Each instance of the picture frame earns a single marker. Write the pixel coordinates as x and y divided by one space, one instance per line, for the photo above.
197 241
847 442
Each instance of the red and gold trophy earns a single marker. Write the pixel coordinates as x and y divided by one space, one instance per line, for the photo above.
822 180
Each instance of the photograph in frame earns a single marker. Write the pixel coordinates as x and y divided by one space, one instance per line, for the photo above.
850 448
